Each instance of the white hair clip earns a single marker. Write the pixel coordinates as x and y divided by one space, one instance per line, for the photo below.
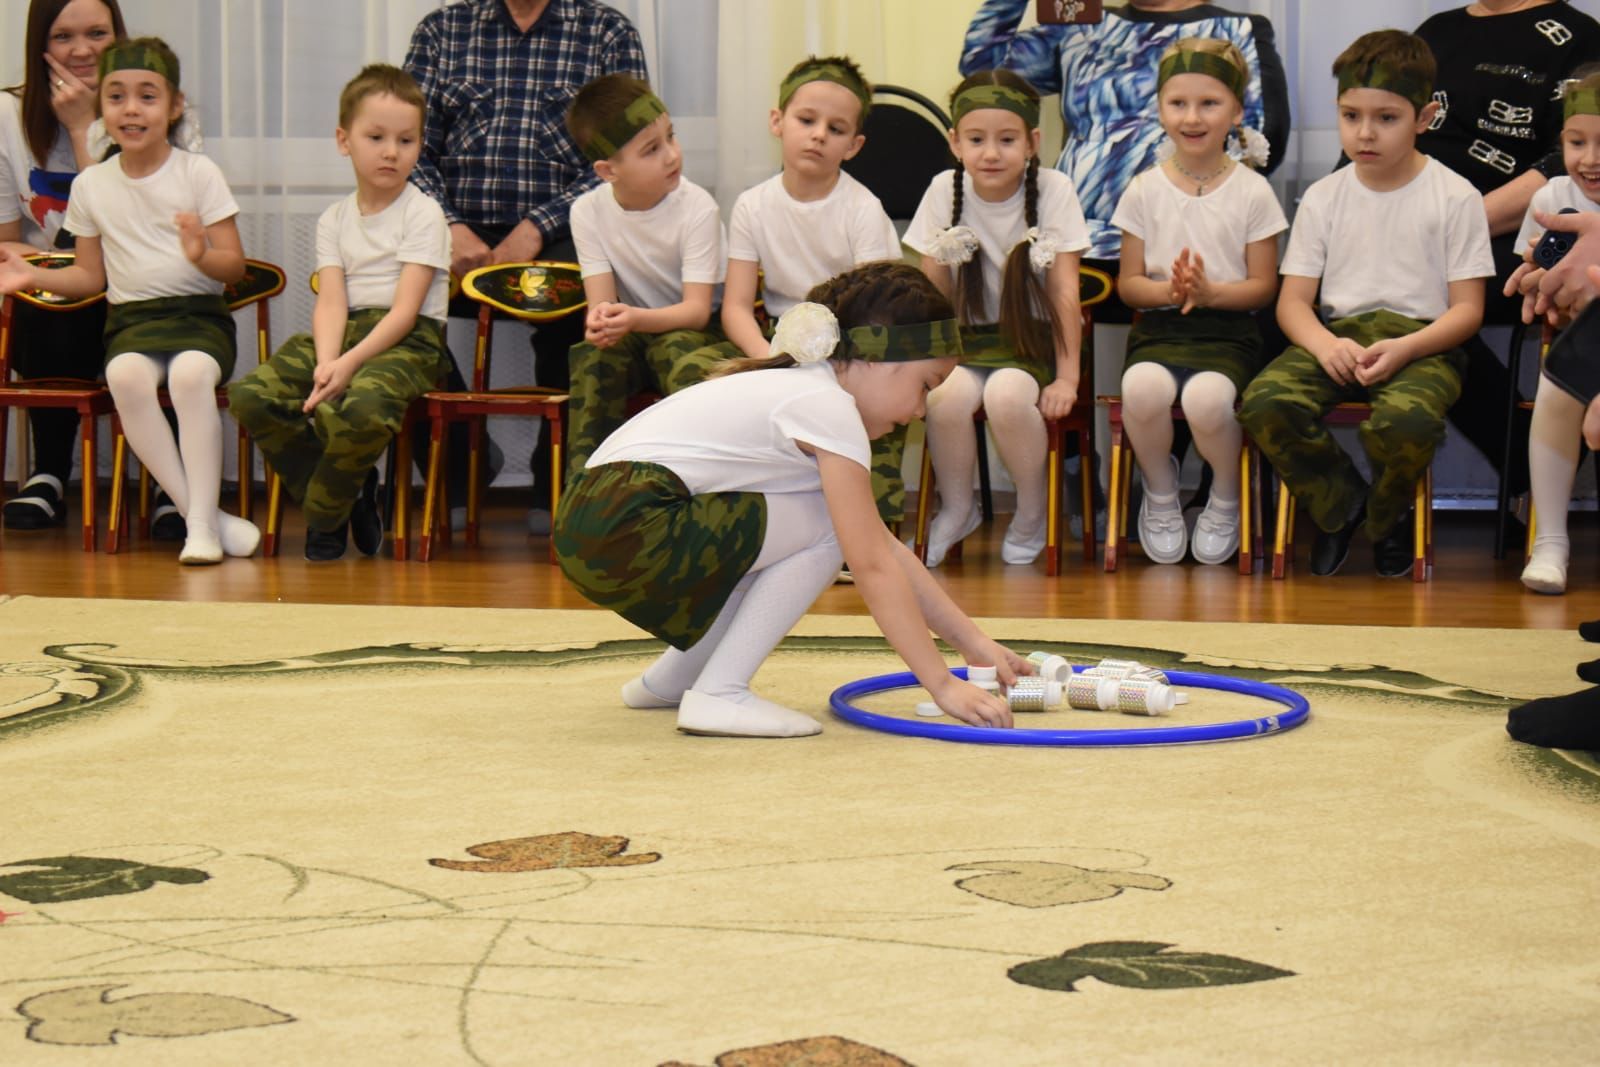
1041 249
953 245
807 333
1250 147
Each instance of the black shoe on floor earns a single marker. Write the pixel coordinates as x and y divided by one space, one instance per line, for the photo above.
366 518
165 522
37 505
1330 550
1394 554
323 546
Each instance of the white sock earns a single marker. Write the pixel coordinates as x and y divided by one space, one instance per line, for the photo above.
1011 401
952 444
1552 467
1148 393
1208 406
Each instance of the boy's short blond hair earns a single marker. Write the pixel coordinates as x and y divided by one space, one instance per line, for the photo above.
378 79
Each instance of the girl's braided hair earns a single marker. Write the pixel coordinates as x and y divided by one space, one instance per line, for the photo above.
884 293
1021 291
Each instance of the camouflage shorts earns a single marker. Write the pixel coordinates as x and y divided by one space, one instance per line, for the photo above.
633 540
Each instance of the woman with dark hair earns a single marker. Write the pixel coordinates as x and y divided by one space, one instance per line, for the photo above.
44 127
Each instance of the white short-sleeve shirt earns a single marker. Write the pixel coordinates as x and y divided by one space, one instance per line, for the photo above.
35 195
1398 250
738 433
1000 225
800 244
372 249
134 219
1218 226
651 254
1555 194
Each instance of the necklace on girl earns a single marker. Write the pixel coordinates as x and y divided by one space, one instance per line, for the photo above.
1200 181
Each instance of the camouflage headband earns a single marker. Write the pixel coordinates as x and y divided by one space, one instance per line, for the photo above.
902 344
979 97
1185 61
609 140
131 56
823 72
1385 77
1580 102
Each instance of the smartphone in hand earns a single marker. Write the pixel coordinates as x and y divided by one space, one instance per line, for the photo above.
1573 362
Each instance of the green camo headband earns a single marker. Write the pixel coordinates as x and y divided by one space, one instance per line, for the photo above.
1383 76
1186 61
609 140
1003 97
903 344
1580 102
133 55
824 72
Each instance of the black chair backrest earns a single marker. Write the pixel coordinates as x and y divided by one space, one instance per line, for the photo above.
907 144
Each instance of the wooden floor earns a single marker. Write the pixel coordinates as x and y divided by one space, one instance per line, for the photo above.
509 570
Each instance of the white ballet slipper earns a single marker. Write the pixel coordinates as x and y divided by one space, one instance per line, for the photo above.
201 547
1020 548
636 694
947 529
702 713
1546 572
239 537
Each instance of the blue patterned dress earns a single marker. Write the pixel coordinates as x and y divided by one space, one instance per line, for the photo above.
1106 77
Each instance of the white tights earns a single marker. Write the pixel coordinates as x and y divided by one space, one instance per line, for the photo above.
1010 400
190 468
799 559
1148 393
1552 466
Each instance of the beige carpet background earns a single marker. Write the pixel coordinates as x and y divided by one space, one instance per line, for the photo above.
219 825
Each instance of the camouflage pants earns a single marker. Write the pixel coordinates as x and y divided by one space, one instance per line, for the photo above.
602 379
1283 408
324 457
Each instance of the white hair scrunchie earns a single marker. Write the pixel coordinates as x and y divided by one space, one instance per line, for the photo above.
807 333
953 245
1041 249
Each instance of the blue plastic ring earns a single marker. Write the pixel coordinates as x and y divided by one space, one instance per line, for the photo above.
1299 709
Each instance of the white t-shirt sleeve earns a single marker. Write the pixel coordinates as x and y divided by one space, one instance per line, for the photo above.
80 219
873 236
584 221
826 420
933 213
1130 213
1060 214
1266 217
742 228
328 254
703 259
426 239
1307 254
213 199
1467 239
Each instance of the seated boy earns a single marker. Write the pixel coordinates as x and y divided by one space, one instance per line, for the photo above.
650 245
1399 246
327 404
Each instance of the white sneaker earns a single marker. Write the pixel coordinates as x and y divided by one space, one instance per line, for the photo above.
702 713
943 532
1546 572
201 547
636 694
1216 534
1020 548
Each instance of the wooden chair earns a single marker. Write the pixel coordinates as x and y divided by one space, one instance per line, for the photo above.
539 291
261 282
1094 287
89 399
1251 538
1283 538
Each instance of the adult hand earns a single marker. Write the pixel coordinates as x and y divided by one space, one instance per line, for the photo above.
1057 398
1567 286
329 381
1591 424
522 244
467 251
71 98
191 235
1340 360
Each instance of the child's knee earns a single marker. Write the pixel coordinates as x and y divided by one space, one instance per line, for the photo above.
1395 431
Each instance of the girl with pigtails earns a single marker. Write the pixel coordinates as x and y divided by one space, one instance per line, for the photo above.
1002 239
1199 254
715 518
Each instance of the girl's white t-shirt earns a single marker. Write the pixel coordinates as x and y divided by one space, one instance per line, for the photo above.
1000 225
134 219
738 433
28 192
1217 226
800 244
372 249
651 254
1398 250
1557 193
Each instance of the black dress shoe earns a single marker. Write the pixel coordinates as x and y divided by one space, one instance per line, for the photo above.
1393 554
325 545
366 518
1330 550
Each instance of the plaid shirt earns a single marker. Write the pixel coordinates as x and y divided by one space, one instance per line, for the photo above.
496 148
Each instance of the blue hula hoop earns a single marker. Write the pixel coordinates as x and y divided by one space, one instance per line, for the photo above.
1299 709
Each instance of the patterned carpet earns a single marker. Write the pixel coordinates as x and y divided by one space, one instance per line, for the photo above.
271 834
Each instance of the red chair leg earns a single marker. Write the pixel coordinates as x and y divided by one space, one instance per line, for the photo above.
1115 515
1052 498
88 424
117 523
1086 476
433 495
